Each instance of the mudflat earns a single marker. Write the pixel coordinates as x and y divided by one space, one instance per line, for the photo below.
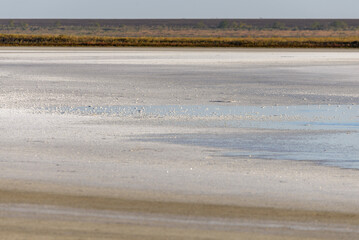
172 144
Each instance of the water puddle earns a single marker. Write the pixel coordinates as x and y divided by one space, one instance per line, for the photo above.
338 149
327 134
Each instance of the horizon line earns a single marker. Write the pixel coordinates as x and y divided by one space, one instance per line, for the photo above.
178 18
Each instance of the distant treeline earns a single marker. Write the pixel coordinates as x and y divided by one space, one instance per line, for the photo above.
255 24
71 41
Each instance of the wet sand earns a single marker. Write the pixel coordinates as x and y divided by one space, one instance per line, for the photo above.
68 175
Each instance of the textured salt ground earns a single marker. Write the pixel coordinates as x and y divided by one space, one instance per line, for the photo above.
106 156
45 77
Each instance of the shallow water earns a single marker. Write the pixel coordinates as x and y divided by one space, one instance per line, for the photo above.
331 149
324 134
273 117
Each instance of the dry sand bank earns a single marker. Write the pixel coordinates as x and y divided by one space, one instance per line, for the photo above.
53 212
49 215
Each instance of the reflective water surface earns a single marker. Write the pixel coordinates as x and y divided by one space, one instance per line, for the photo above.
321 133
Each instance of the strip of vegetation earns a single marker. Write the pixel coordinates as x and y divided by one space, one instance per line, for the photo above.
84 41
184 28
179 24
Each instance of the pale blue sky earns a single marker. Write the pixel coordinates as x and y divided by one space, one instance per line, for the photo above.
179 9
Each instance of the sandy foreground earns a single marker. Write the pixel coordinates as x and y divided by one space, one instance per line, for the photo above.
76 175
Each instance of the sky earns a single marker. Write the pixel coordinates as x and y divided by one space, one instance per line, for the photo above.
179 9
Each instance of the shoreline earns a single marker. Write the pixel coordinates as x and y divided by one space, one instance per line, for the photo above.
303 186
176 49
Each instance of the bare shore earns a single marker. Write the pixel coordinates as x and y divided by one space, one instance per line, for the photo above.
75 175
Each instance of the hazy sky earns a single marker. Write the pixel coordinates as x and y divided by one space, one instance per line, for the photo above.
179 9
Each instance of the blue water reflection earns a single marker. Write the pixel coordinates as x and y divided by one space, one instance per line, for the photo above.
324 134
